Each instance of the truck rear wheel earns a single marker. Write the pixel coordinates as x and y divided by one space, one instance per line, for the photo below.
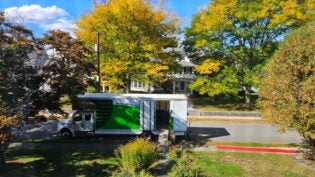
147 135
172 138
66 134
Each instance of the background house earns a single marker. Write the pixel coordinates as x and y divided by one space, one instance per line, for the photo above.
182 79
178 81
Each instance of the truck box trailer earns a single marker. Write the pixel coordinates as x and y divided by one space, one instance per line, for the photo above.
133 114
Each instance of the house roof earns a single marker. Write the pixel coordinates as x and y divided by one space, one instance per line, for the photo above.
186 63
105 96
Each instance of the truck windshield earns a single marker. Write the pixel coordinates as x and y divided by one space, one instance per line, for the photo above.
77 117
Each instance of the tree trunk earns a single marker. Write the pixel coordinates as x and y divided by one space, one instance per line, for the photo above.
312 149
128 83
247 97
2 160
128 87
149 88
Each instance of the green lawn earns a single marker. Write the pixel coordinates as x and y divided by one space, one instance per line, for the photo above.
229 164
221 103
59 163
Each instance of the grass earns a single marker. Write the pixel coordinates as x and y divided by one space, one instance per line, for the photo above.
46 163
223 103
229 164
60 162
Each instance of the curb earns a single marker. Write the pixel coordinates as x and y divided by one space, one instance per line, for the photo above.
224 113
257 149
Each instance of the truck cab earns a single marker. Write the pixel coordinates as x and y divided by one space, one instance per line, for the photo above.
79 123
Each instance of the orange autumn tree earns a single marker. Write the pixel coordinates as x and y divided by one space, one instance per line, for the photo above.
133 34
287 90
6 123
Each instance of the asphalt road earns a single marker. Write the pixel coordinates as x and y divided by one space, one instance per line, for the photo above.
243 132
200 133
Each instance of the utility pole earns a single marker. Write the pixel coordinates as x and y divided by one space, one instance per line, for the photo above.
98 61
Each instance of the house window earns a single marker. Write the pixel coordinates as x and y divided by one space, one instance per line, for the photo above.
188 70
182 86
136 83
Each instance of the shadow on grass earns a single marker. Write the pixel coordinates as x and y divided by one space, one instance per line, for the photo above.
48 163
90 156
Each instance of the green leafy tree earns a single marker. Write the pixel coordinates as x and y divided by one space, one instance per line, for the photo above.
287 89
240 36
66 74
19 82
133 35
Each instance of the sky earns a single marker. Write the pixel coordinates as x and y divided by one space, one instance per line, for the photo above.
43 15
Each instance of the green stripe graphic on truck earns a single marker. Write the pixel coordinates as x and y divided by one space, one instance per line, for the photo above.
120 117
171 121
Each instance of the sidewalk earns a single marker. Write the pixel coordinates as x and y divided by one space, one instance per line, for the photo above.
194 112
197 115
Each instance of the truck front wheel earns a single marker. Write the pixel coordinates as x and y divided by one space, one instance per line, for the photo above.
66 134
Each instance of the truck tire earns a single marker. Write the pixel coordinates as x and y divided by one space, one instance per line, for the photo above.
147 135
65 134
172 138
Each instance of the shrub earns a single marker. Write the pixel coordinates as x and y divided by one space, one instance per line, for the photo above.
137 155
65 100
287 89
91 89
182 165
131 173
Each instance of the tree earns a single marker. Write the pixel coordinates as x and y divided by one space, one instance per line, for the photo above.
241 36
287 89
17 79
133 35
67 71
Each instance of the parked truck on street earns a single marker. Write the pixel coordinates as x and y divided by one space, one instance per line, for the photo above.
129 114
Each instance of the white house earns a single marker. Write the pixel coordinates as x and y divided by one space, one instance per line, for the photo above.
180 81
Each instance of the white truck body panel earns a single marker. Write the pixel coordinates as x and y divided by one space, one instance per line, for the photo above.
179 113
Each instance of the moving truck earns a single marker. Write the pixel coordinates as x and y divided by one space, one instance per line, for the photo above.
132 114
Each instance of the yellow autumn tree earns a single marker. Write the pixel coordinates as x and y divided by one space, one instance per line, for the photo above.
133 34
243 34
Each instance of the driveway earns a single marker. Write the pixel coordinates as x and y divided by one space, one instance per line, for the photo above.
243 132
